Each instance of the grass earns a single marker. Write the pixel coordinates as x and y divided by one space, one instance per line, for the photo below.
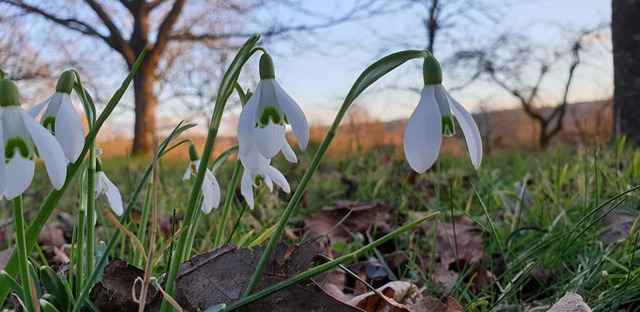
537 211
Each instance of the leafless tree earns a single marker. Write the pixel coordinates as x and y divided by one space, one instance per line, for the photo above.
175 33
625 30
506 63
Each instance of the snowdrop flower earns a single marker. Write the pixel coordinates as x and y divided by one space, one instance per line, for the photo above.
263 121
433 118
210 187
61 118
106 187
257 169
21 136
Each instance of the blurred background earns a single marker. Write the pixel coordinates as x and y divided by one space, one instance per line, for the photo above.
533 73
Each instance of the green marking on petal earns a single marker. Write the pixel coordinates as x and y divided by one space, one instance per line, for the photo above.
12 145
270 113
50 124
257 181
448 128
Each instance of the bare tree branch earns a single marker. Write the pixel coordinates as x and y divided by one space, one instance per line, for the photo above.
164 30
118 42
69 23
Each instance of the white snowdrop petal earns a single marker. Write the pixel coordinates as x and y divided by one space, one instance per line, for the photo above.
288 152
190 169
48 149
34 111
470 130
423 134
20 171
187 173
113 195
295 116
212 192
69 129
268 182
2 164
269 139
247 124
246 188
279 179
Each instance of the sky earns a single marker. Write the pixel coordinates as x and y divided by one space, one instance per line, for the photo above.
319 79
317 69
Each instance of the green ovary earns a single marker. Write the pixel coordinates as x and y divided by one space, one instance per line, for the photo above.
270 113
12 145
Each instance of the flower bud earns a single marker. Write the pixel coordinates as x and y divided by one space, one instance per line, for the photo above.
267 70
9 95
65 82
431 71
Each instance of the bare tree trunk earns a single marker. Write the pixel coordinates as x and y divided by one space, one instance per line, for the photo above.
625 29
145 109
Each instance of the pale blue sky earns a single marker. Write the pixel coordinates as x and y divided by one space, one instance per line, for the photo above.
318 69
320 78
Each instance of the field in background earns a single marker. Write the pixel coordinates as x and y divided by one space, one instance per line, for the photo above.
500 130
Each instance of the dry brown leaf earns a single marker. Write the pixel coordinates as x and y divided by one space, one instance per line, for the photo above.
51 236
618 224
363 218
393 294
570 302
5 255
114 292
428 304
453 305
459 251
221 276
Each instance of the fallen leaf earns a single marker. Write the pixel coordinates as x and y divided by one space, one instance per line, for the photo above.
617 224
51 236
570 302
458 254
221 276
5 255
114 293
362 218
393 294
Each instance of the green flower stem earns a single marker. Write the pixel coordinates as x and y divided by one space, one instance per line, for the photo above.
224 92
22 254
191 233
224 216
49 204
326 266
142 228
102 261
80 262
91 209
368 77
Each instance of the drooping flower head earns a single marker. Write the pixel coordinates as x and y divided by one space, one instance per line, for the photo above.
433 118
21 139
258 170
210 186
264 118
61 119
110 190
